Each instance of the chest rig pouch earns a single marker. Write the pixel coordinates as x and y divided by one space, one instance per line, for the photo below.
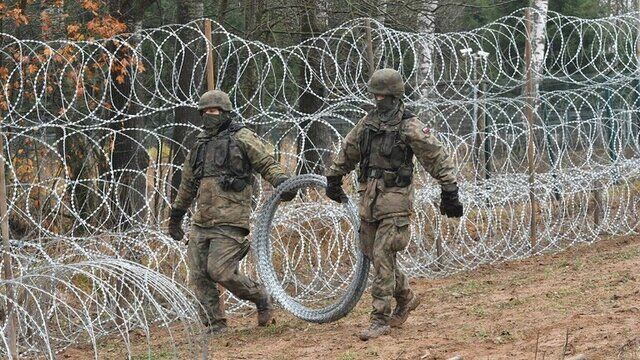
221 156
384 153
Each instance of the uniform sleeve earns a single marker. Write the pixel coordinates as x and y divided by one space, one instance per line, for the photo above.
188 187
349 155
260 156
431 152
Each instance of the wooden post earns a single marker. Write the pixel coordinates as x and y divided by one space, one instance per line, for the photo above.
211 85
370 57
440 250
211 82
597 206
10 315
530 101
478 120
483 122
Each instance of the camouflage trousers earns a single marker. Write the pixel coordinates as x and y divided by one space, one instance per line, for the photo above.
213 255
380 241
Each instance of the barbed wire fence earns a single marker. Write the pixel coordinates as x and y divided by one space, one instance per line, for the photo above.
89 131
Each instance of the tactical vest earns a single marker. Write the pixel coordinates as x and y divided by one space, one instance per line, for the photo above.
221 156
383 152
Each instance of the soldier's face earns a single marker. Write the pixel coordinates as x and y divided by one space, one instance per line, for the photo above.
212 111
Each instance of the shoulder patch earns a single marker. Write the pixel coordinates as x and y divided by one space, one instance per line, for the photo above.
426 130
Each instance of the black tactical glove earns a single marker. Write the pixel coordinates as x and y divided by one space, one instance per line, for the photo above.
175 224
334 189
287 195
449 203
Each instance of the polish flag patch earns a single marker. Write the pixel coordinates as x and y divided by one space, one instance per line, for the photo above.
426 131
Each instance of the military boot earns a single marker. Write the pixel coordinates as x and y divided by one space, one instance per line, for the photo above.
402 310
375 330
216 329
265 312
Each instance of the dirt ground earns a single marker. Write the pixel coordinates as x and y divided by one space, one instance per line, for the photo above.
583 300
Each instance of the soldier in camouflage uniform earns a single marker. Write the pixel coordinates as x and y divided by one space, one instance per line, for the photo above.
218 172
384 143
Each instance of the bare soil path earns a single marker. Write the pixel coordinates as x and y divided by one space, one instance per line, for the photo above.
583 300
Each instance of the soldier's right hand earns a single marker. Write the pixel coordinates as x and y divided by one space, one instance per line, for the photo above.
450 205
175 224
334 190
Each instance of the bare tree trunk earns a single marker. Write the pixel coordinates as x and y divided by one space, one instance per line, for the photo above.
129 159
315 139
426 26
250 32
539 17
378 49
536 21
188 10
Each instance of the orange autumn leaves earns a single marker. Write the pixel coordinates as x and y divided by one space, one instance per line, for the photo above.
101 26
16 14
61 66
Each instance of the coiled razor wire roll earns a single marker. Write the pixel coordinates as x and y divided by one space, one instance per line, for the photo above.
267 271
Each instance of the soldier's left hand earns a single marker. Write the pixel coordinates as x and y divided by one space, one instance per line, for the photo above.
176 232
286 195
450 205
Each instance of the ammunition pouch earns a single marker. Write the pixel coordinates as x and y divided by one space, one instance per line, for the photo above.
400 177
232 183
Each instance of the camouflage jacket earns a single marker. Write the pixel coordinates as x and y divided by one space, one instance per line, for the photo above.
218 207
378 201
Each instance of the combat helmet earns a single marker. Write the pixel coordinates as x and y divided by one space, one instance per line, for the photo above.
386 82
215 99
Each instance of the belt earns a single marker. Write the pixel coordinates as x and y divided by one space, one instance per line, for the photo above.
377 173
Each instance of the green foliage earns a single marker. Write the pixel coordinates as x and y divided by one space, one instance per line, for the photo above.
588 9
482 12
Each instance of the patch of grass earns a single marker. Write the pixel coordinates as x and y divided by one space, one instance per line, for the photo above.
561 293
281 357
629 254
106 345
349 355
472 286
83 282
512 303
504 337
160 355
481 333
281 327
548 271
477 311
372 352
362 310
465 288
577 265
620 278
589 284
242 332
